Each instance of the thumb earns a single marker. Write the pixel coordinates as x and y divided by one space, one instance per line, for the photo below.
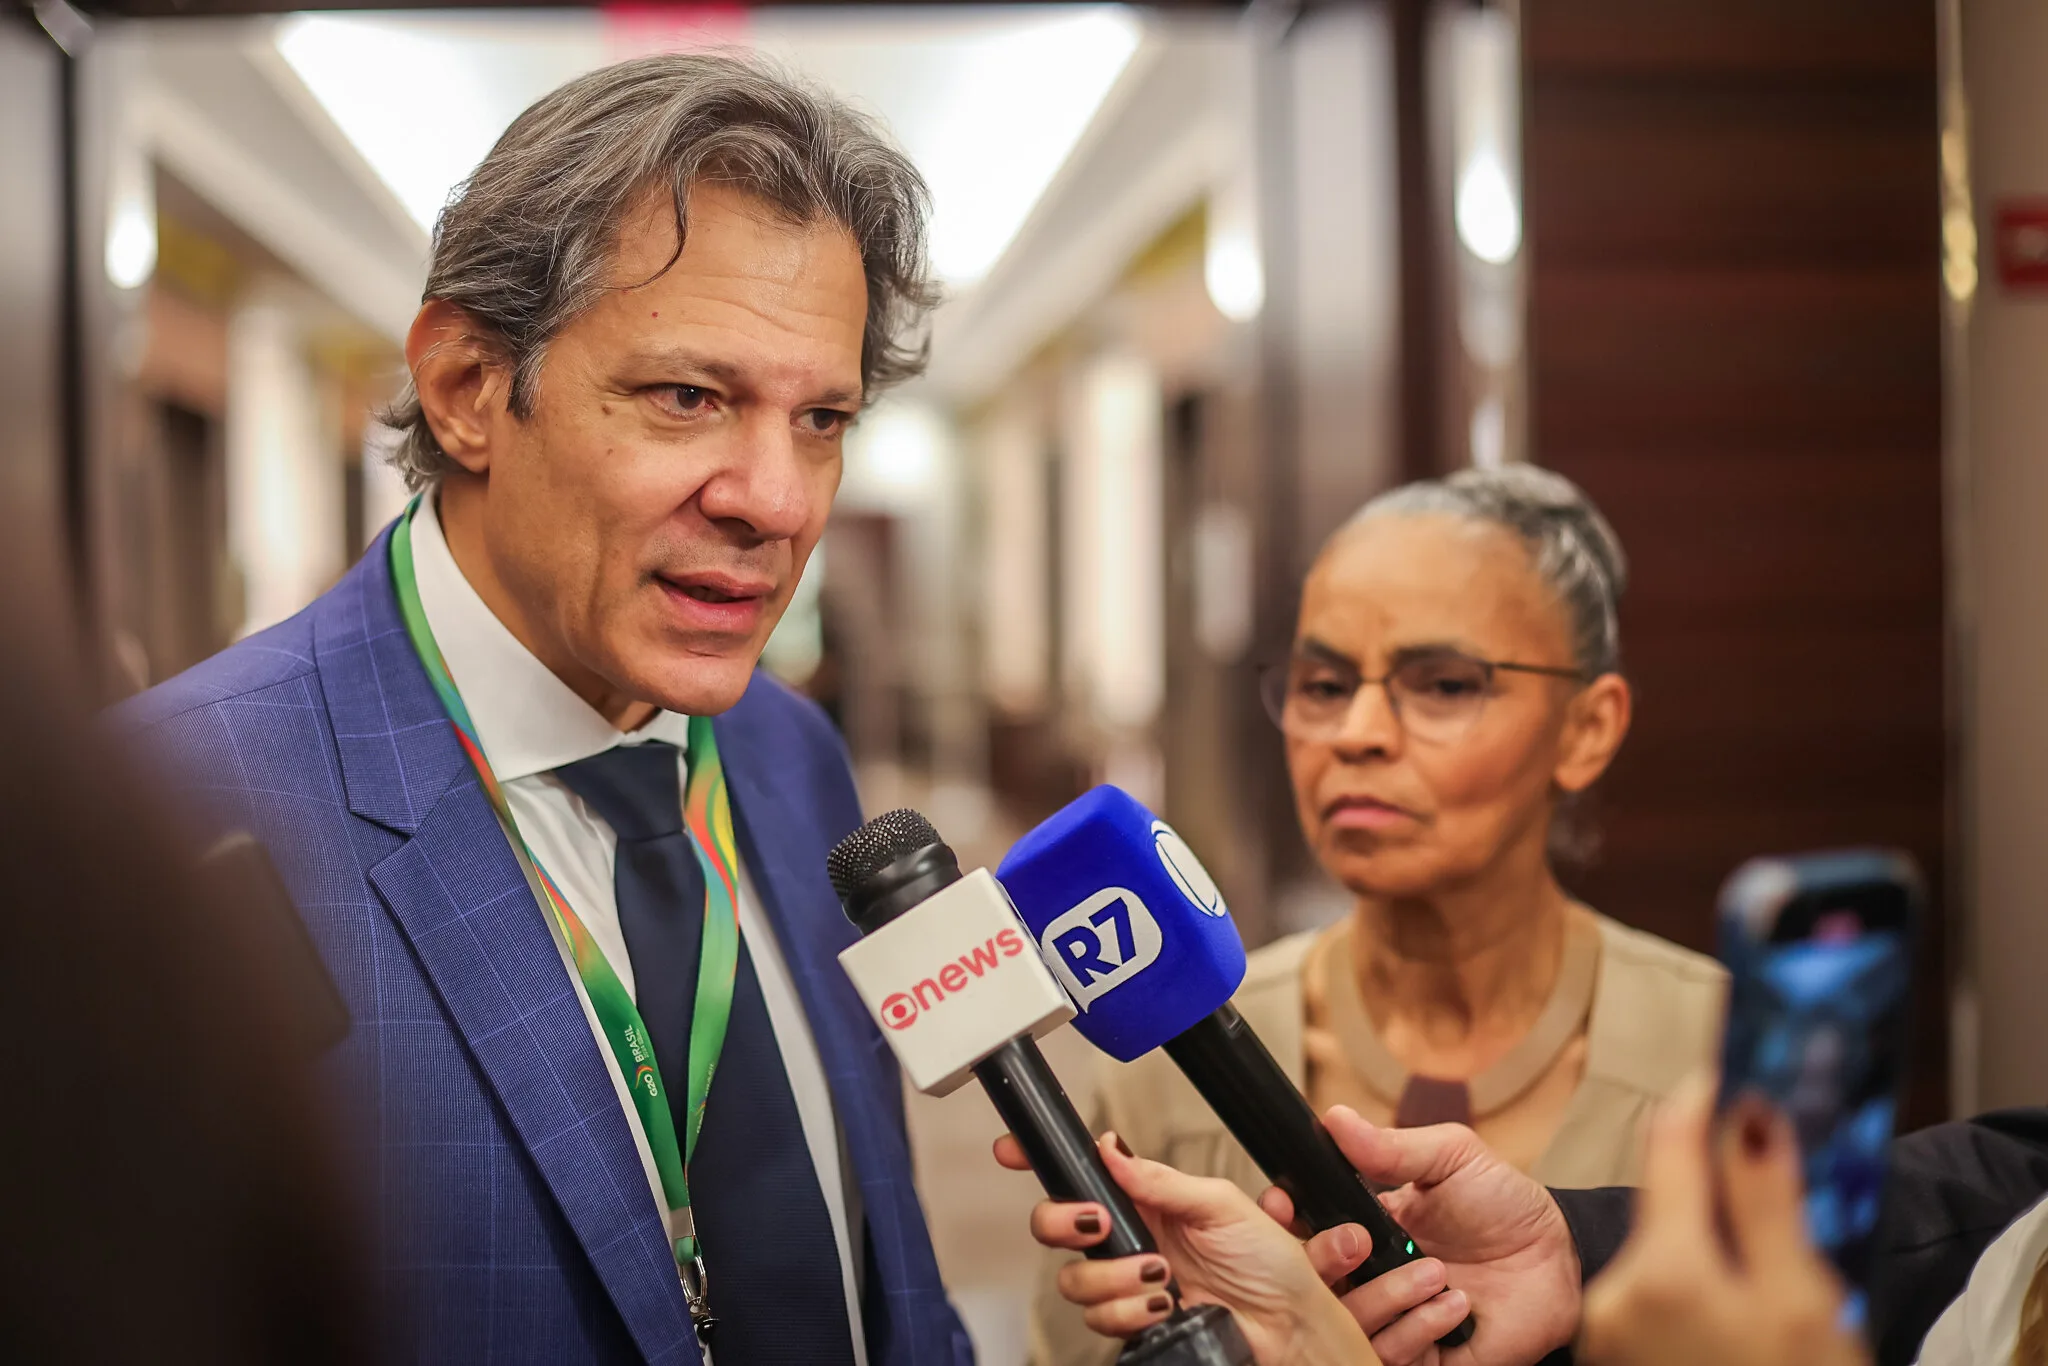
1675 1206
1396 1157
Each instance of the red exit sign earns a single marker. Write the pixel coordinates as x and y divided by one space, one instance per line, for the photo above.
2021 242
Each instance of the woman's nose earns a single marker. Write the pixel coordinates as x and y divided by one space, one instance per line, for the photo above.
1370 724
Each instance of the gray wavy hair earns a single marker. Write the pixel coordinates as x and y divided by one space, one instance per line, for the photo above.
1576 555
524 244
1575 552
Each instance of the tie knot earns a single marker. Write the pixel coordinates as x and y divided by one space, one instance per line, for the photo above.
636 788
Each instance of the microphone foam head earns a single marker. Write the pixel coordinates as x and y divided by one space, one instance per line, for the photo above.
1127 919
876 845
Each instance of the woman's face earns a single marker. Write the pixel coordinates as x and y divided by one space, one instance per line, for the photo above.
1391 814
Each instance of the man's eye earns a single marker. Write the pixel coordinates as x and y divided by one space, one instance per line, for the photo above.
686 398
825 421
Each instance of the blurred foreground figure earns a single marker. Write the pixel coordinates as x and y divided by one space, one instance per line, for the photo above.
561 843
169 1195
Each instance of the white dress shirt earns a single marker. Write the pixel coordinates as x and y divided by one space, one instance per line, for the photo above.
1982 1326
529 723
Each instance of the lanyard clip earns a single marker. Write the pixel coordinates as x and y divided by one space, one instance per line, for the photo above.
694 1291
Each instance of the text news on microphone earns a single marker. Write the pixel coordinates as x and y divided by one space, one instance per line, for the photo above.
944 967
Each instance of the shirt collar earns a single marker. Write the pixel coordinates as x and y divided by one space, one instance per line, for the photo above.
527 720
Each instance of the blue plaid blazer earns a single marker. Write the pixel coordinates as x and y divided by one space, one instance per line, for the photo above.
513 1220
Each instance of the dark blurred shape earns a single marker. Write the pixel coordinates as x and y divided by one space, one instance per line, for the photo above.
170 1197
258 918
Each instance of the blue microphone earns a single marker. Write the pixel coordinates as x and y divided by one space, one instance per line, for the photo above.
1135 929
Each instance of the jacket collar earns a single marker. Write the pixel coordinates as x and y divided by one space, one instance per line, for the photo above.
399 754
463 902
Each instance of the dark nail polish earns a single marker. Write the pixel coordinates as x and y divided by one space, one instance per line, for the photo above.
1090 1222
1159 1304
1124 1147
1154 1273
1753 1126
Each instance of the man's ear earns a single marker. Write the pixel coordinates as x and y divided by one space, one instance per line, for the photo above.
462 383
1594 727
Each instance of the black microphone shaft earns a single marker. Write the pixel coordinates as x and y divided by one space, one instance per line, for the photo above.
1061 1151
1265 1112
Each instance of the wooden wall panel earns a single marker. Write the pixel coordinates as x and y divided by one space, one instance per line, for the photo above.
1735 338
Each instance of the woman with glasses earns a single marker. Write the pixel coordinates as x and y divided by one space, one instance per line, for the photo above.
1453 691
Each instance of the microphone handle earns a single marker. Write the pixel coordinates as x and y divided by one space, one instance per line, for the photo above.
1061 1150
1265 1112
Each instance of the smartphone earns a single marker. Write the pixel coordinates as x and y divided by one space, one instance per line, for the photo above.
1820 951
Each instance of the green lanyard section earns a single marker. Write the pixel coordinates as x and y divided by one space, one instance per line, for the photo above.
707 814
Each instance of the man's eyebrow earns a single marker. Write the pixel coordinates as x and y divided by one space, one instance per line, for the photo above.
730 375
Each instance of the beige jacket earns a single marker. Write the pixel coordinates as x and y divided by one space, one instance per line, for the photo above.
1656 1016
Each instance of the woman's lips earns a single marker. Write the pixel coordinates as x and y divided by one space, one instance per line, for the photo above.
1366 813
716 603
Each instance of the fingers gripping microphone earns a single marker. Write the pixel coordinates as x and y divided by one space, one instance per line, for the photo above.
1134 927
949 975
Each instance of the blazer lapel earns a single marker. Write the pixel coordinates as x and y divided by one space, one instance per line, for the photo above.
785 847
464 904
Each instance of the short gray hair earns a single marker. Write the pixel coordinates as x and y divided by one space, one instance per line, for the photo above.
523 245
1575 552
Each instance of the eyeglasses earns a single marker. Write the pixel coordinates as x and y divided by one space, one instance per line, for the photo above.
1435 694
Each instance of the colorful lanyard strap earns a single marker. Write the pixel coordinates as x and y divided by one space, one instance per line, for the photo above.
707 814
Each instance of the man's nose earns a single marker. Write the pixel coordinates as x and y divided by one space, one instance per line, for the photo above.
766 485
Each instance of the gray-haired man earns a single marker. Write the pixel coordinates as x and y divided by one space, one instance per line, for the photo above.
574 918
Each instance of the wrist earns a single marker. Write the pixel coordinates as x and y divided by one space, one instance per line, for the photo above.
1321 1332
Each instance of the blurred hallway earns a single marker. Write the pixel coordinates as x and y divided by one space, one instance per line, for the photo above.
1216 274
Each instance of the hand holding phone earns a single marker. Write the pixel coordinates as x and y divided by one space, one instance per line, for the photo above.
1819 948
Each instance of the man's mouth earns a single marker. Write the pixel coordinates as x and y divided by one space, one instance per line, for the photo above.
720 603
716 587
704 592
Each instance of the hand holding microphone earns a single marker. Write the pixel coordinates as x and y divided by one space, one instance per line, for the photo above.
944 967
1495 1233
1223 1249
1135 928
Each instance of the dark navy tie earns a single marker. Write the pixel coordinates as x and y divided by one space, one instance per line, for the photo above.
770 1259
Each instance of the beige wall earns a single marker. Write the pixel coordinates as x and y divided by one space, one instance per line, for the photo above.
2001 410
31 268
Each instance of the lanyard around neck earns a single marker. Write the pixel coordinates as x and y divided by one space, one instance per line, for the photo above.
707 814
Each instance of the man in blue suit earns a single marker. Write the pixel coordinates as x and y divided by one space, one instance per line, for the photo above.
615 1098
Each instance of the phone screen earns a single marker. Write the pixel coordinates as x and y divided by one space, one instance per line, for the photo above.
1820 952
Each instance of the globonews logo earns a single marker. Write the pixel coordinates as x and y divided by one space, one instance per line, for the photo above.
1187 871
901 1009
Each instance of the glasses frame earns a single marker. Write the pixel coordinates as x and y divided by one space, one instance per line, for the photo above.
1275 707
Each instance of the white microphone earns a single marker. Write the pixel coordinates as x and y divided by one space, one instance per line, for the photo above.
947 969
953 979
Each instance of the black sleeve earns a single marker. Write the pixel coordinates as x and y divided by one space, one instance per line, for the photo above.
1599 1221
1953 1189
